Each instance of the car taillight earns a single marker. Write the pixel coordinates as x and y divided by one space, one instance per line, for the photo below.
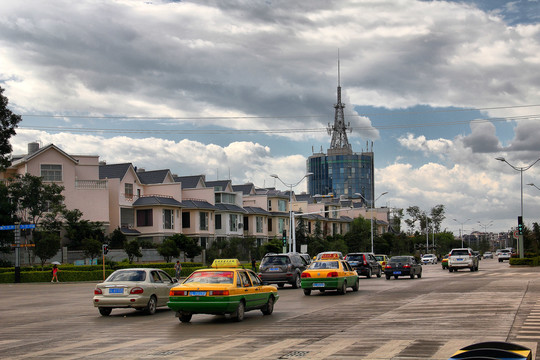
219 292
332 274
407 266
364 257
137 290
305 275
98 292
178 293
388 266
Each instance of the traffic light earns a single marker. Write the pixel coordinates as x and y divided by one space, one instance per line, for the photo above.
105 249
284 238
520 225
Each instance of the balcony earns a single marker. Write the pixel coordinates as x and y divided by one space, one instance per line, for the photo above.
91 184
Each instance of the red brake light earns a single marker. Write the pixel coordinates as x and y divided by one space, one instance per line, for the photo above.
219 292
305 275
407 266
388 266
98 291
332 274
364 257
178 293
137 290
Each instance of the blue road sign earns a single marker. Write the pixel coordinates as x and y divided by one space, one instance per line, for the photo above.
28 226
7 227
13 227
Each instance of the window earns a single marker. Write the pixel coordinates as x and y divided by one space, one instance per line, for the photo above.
128 191
218 221
233 222
282 205
203 220
168 219
186 220
246 223
281 226
144 217
204 242
127 215
51 172
270 225
259 224
269 205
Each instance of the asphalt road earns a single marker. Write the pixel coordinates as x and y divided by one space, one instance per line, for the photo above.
427 318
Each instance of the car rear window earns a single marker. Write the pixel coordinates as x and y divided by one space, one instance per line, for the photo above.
379 257
211 277
399 259
321 265
460 252
355 257
127 275
275 260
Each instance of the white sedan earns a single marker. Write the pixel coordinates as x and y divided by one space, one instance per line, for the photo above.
429 259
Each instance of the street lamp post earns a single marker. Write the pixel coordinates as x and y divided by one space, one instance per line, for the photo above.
521 169
371 217
461 234
291 219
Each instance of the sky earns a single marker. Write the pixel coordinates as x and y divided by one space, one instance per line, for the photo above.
243 89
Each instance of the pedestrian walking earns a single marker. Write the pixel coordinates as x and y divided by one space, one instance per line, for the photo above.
178 269
253 264
55 273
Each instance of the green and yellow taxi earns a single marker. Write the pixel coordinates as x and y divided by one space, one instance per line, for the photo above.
444 262
225 288
329 273
382 259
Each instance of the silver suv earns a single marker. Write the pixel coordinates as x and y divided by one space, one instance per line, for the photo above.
504 254
282 269
462 258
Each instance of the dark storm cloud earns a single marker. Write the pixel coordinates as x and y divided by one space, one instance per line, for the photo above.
482 139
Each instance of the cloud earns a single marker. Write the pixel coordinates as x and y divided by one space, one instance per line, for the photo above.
438 147
482 138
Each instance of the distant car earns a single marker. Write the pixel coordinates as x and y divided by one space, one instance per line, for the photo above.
307 258
504 254
402 266
281 269
477 254
138 288
488 255
365 264
226 288
462 258
329 274
429 259
382 259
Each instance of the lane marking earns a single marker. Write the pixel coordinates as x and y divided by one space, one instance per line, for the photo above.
450 348
211 350
60 348
171 346
332 348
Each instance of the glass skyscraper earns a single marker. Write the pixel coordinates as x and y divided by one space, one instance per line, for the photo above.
340 171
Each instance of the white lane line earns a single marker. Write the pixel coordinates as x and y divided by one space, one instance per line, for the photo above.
173 346
389 350
211 350
57 349
105 349
272 349
331 348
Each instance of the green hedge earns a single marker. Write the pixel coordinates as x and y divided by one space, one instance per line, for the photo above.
530 261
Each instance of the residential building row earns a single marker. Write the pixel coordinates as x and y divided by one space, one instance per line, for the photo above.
155 204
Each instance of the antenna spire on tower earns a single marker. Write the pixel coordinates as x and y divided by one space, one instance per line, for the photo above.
339 129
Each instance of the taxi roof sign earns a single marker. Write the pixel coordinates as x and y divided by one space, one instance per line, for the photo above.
330 255
226 263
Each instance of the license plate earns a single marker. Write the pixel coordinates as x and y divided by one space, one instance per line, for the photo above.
197 293
397 272
318 285
459 259
116 291
274 269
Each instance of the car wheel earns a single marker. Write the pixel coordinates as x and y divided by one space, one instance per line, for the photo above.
281 285
419 275
238 315
321 291
500 260
185 318
268 309
379 273
105 311
343 289
307 292
412 276
472 269
450 269
387 277
395 276
151 307
369 274
356 285
297 281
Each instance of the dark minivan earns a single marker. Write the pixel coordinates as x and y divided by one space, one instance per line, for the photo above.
282 269
365 264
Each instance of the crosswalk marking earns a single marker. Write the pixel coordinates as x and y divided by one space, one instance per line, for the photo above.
272 349
389 350
218 348
105 349
334 347
57 349
164 348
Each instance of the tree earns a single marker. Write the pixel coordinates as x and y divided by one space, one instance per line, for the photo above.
396 215
46 245
437 217
33 198
92 248
132 250
168 249
8 124
7 217
187 245
117 239
358 238
77 230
